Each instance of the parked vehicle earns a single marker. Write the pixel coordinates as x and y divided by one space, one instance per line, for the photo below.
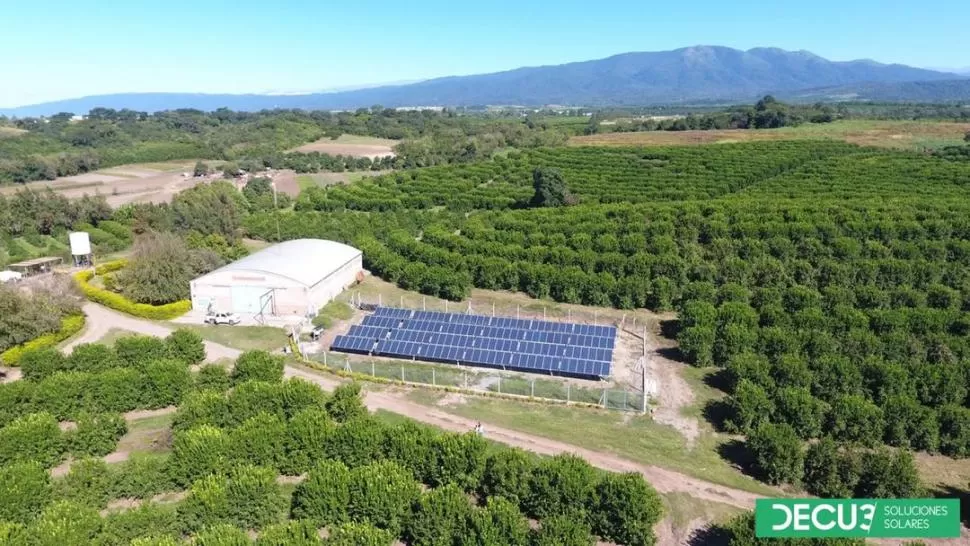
316 333
222 318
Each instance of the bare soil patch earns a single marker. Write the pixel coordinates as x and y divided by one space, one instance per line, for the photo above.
352 145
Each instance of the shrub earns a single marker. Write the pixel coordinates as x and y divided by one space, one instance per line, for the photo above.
298 394
69 326
97 434
561 485
167 381
776 452
382 494
207 503
40 363
139 351
260 441
118 389
409 444
440 516
308 435
63 523
562 531
625 509
123 304
499 523
855 419
258 366
222 535
197 452
345 403
93 357
359 534
255 499
213 377
458 459
830 473
25 488
507 474
291 533
16 399
357 443
253 397
33 437
323 496
142 476
148 520
886 474
65 394
201 408
13 534
186 346
88 483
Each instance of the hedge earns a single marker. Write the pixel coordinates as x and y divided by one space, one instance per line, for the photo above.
123 304
69 326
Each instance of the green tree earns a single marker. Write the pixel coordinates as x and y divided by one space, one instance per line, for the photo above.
562 531
138 351
96 434
550 188
308 435
507 474
201 169
410 445
887 474
830 473
382 494
259 366
359 534
499 523
776 452
345 403
797 407
88 483
167 381
290 533
213 377
440 517
222 535
625 509
25 488
323 496
33 437
855 419
260 440
64 522
161 267
186 346
457 459
561 485
198 452
204 407
954 431
748 408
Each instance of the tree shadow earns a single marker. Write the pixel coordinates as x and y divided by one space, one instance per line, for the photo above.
670 328
712 535
716 413
950 492
672 353
736 453
719 380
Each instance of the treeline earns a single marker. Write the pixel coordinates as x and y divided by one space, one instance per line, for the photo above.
27 315
365 481
58 146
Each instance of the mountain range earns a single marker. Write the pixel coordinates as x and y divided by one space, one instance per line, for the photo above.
687 75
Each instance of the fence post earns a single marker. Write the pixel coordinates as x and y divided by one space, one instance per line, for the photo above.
402 373
500 384
643 377
402 301
433 382
325 358
533 389
493 308
373 370
424 303
543 312
567 393
464 375
625 393
606 399
596 316
516 310
446 306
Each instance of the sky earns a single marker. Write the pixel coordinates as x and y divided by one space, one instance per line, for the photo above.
61 49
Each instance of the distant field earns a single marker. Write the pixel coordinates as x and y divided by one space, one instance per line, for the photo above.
329 179
904 135
10 132
352 145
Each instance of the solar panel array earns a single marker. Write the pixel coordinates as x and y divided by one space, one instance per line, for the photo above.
525 344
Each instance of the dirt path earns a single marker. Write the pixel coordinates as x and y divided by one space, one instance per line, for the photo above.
673 393
101 320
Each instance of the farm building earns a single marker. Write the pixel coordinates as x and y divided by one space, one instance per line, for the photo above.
291 278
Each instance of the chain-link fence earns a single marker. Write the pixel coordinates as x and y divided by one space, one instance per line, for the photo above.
488 381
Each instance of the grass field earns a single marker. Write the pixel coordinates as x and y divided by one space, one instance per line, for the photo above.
322 180
243 338
353 145
151 434
903 135
114 335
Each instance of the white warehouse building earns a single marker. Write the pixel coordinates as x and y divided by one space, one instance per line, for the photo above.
290 278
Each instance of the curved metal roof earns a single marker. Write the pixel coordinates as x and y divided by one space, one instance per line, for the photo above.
305 261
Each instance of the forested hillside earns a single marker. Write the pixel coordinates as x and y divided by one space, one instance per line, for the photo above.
829 281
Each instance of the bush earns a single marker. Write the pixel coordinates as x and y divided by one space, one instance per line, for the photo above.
139 351
260 441
63 523
298 394
148 520
118 389
308 435
776 452
142 476
855 419
409 444
253 397
499 523
506 475
888 474
198 452
97 434
291 533
258 366
65 394
255 499
167 381
625 509
201 408
323 496
13 534
457 459
33 437
93 357
561 485
222 535
345 403
186 346
830 473
213 377
25 488
16 399
359 534
123 304
69 326
357 443
88 483
40 363
562 531
440 516
382 494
